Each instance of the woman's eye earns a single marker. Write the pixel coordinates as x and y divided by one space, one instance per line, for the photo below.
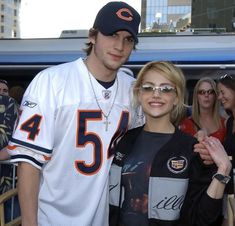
147 88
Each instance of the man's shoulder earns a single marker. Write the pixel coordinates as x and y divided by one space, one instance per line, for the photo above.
125 77
59 73
64 67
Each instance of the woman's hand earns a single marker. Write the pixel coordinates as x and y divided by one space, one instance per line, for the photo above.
201 149
218 154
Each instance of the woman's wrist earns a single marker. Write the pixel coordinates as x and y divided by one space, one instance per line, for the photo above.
225 169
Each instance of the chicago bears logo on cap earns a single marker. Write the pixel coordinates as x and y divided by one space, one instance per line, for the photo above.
121 14
177 164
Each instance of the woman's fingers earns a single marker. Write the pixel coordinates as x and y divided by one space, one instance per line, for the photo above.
217 153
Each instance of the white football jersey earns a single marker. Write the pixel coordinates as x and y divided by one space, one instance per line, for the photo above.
63 132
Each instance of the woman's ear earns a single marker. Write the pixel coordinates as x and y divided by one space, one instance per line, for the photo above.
176 101
138 97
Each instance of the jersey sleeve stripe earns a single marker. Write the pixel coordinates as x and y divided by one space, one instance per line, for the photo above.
26 158
46 158
32 146
11 147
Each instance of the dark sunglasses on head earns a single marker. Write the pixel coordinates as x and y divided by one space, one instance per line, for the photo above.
3 81
226 76
203 91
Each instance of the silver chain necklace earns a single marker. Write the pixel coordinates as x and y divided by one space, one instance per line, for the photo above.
106 116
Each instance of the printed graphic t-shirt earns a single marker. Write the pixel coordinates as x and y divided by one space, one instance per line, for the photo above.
135 177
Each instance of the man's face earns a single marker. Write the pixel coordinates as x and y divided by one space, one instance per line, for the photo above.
114 50
4 89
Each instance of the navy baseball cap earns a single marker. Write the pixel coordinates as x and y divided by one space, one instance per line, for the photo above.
117 16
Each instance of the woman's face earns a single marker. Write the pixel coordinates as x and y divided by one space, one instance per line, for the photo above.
226 97
157 95
206 96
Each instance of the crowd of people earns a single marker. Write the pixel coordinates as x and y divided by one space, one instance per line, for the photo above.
95 146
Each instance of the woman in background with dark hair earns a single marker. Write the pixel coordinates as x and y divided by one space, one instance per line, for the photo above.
226 89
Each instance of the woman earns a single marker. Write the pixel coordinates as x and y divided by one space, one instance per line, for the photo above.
226 88
205 111
163 182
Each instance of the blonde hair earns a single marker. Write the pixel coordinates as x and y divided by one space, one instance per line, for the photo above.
174 75
195 104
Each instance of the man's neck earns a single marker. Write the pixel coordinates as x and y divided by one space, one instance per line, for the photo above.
100 72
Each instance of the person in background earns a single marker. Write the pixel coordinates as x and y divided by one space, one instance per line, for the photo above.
156 178
8 116
205 111
226 88
17 92
4 89
205 116
72 116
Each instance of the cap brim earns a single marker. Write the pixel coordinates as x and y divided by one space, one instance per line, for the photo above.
123 28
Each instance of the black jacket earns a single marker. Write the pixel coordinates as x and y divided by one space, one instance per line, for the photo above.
177 184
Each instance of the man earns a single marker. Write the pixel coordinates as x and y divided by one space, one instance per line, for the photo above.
8 115
72 116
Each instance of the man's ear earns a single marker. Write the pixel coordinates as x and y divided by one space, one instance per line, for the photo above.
92 39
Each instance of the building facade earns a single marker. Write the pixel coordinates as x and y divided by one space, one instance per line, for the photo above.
165 15
214 14
188 15
9 22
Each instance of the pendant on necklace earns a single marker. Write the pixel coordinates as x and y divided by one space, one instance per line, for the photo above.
107 123
106 94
